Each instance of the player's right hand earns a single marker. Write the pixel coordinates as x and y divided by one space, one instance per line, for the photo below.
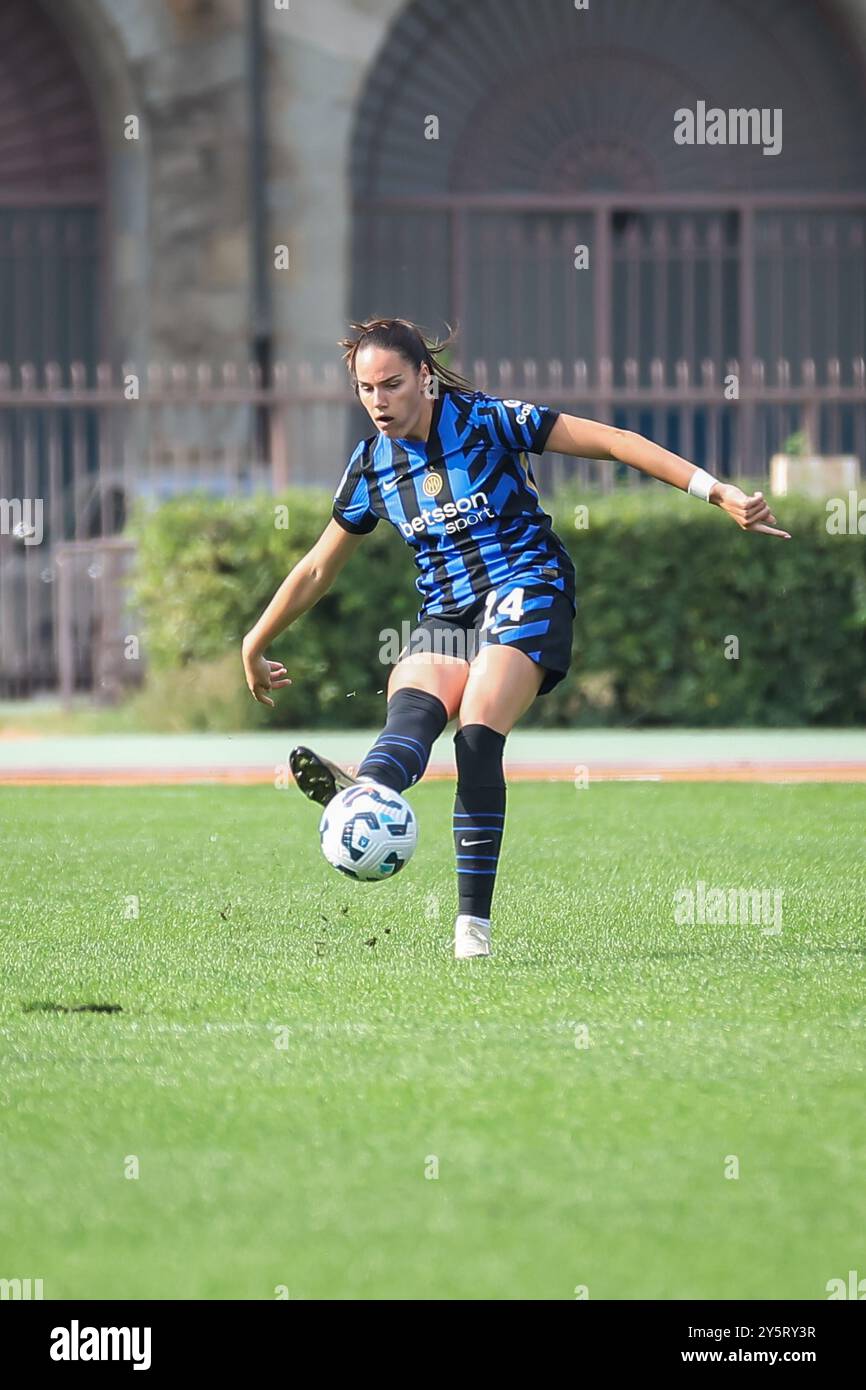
263 675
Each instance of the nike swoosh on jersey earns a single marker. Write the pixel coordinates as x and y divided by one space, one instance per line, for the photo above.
387 486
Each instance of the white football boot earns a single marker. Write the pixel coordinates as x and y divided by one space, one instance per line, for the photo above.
471 937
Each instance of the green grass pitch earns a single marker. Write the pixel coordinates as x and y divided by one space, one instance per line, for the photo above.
297 1056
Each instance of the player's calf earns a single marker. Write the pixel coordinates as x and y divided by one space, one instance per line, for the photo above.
479 821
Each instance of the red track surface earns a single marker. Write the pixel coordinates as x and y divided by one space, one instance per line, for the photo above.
520 772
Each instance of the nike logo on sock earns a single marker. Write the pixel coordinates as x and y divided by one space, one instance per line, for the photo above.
467 843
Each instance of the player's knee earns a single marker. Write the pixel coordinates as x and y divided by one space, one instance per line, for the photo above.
445 680
478 752
479 709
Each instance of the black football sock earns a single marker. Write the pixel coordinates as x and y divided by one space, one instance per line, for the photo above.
479 815
400 754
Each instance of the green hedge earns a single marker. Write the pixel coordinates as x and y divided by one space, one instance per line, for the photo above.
663 581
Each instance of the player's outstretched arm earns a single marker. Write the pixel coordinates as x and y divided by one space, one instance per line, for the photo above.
593 440
300 590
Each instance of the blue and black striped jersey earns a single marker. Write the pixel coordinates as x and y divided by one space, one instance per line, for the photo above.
466 500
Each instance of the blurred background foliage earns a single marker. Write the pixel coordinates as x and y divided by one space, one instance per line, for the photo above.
665 588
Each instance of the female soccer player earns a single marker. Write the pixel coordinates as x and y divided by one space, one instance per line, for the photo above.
448 467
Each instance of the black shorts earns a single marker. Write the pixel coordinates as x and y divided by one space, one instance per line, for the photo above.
534 618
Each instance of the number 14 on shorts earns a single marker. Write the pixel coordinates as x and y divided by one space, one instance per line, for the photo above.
510 607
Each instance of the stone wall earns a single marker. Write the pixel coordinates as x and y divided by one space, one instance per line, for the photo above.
177 195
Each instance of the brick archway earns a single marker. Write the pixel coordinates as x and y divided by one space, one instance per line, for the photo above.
553 131
510 81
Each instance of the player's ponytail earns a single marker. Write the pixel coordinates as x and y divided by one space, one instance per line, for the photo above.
405 337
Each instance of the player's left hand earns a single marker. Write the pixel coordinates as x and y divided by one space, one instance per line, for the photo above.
750 513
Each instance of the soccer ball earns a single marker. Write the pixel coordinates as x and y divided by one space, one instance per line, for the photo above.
368 832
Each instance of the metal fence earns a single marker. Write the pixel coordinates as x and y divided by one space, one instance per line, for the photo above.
89 449
636 277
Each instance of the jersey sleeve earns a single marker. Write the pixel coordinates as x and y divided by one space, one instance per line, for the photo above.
351 507
515 425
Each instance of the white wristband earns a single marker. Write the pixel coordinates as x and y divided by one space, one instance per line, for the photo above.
701 484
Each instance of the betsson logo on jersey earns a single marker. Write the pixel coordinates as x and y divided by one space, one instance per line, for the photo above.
465 512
